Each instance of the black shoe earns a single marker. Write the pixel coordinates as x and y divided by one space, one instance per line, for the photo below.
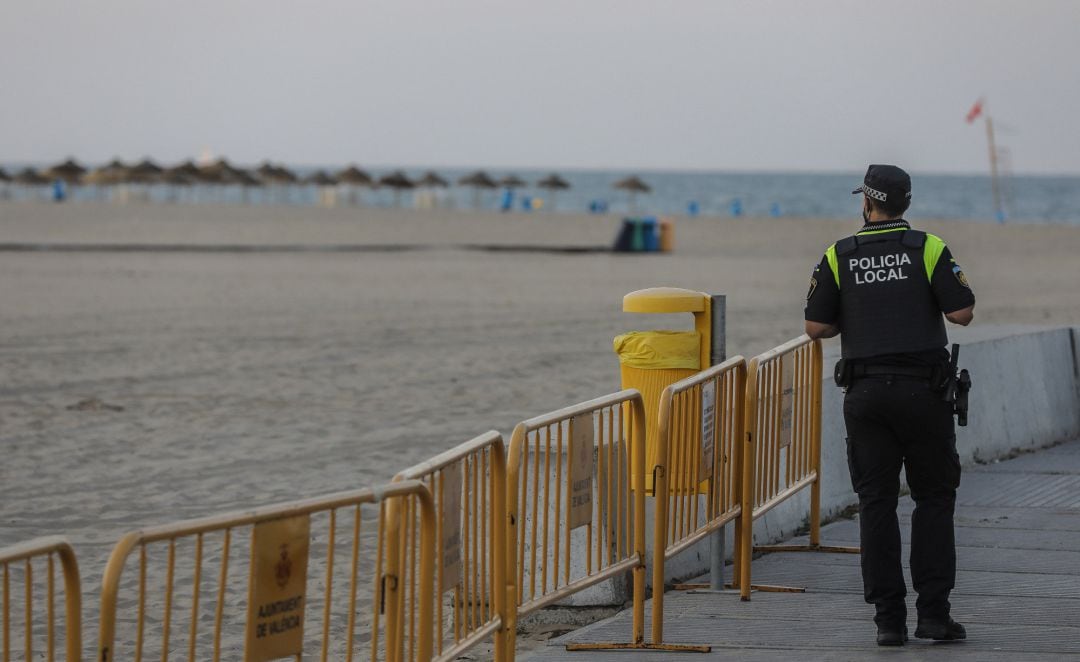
888 635
940 630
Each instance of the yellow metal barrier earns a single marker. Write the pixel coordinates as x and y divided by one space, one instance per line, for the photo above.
782 446
575 513
469 487
272 604
699 454
24 554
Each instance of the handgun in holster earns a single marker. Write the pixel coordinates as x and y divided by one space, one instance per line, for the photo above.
956 387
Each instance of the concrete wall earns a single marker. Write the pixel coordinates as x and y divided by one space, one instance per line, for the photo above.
1025 395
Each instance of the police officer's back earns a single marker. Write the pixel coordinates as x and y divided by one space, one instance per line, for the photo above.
884 290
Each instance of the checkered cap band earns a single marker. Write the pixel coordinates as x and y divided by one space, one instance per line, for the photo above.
879 195
874 193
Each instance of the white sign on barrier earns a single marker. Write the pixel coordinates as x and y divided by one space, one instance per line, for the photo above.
708 430
451 526
581 470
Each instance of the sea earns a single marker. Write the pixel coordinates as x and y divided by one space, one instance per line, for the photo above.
1024 199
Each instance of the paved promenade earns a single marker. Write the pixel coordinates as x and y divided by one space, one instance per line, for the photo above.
1017 590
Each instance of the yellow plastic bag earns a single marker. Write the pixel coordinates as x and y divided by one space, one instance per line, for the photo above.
657 350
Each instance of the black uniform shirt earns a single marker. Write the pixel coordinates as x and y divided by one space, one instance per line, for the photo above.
947 282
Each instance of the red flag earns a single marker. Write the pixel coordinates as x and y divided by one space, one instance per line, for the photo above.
975 111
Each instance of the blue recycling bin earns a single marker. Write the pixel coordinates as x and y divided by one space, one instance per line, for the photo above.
649 234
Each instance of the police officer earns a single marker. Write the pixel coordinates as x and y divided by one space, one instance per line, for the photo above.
884 291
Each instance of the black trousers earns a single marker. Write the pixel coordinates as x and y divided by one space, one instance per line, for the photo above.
893 422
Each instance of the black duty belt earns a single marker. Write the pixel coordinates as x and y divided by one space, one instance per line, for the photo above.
916 372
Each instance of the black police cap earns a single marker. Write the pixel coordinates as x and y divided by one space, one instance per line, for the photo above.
885 182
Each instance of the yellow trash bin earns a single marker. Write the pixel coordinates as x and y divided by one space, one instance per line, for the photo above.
650 361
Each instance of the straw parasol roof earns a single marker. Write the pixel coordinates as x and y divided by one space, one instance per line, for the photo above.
222 172
553 182
29 177
355 177
396 180
511 181
178 177
432 180
633 184
478 180
269 173
144 172
184 174
245 178
69 171
149 167
320 178
111 173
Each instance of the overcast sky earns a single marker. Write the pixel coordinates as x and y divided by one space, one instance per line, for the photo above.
627 84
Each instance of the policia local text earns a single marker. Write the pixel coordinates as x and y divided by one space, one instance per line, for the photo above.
878 268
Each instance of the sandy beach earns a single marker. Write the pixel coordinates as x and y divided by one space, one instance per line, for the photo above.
213 381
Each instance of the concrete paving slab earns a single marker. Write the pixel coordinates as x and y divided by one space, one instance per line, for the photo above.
1018 585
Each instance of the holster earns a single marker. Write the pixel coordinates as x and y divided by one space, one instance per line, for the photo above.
843 373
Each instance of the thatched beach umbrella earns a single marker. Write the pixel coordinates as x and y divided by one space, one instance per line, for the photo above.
353 178
429 182
140 175
144 172
247 181
634 185
109 174
478 180
320 178
29 179
324 183
432 180
268 173
271 174
187 170
511 181
274 176
177 178
182 174
223 173
398 181
553 183
68 171
287 175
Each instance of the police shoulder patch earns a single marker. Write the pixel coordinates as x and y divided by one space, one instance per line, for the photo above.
813 287
960 276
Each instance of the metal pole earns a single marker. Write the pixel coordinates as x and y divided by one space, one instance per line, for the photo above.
993 167
717 355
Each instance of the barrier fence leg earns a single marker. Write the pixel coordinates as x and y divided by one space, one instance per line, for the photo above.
638 634
717 556
716 567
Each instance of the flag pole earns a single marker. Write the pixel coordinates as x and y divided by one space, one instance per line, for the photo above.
998 212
